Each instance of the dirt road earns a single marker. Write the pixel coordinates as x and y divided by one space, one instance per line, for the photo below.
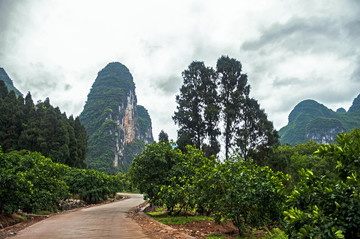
105 221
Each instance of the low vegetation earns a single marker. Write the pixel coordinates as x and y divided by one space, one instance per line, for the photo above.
316 205
33 183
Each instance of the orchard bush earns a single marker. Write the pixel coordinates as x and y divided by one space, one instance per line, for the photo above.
244 193
155 167
323 207
90 185
30 182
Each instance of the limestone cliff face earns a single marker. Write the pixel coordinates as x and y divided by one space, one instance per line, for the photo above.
118 128
324 136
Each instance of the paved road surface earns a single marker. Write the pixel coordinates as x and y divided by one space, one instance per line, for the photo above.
105 221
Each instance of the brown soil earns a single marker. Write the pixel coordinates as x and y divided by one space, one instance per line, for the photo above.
12 230
197 229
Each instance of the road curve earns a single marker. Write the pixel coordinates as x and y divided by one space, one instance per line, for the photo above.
104 221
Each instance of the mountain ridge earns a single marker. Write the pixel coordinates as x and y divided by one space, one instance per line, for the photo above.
8 82
310 120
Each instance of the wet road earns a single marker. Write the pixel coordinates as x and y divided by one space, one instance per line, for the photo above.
104 221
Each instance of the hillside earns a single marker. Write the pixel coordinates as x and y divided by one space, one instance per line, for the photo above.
118 128
8 82
310 120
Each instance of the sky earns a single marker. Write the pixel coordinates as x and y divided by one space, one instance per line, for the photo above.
291 50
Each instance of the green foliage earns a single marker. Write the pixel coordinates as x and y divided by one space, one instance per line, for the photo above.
323 207
290 159
30 182
182 188
154 167
198 108
276 233
244 193
206 95
131 150
355 107
163 137
237 190
144 121
41 128
180 220
234 90
92 186
33 183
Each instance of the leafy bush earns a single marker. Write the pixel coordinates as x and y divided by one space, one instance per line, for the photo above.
92 186
154 167
323 207
235 190
30 182
245 193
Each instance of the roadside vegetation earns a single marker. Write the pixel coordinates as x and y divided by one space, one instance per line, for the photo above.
237 191
33 183
303 191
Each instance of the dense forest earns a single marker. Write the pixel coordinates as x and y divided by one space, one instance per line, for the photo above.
40 128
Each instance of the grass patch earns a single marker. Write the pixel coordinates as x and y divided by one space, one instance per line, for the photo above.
160 215
159 212
44 212
181 219
276 233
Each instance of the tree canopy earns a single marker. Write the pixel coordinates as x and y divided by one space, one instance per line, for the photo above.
212 98
41 128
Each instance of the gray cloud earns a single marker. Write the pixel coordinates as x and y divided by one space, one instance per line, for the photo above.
41 78
281 82
297 35
168 86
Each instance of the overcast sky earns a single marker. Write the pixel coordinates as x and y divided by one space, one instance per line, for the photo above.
291 50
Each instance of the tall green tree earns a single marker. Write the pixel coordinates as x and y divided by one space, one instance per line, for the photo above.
233 92
246 124
163 137
3 90
198 109
30 132
255 135
10 122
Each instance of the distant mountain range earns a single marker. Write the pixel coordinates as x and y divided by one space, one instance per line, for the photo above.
310 120
8 82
